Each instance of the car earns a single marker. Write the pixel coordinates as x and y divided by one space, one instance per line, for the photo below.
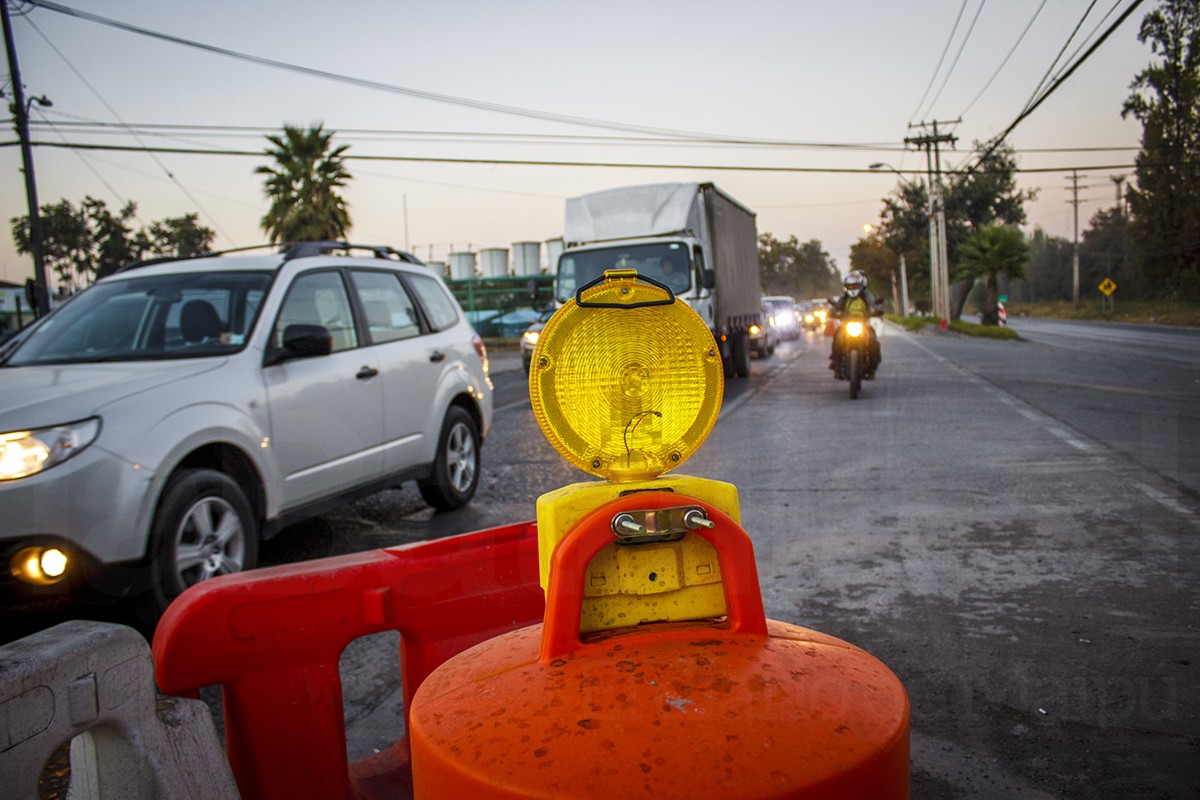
510 324
764 337
529 336
783 314
813 314
159 425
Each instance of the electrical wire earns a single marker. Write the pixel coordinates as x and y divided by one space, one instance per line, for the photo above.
376 134
444 137
480 105
1063 76
166 171
962 46
942 58
1057 58
542 163
1012 50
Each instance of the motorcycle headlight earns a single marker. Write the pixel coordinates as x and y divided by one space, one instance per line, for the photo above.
25 453
854 328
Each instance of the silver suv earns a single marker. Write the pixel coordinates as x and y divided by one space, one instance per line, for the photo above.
159 424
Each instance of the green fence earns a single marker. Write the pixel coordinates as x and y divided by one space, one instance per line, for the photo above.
503 294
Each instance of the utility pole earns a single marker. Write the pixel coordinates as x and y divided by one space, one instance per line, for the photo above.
939 266
1075 187
41 293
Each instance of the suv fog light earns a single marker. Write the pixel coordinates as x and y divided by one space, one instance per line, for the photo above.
41 566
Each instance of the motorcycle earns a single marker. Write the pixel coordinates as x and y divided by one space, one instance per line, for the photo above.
858 359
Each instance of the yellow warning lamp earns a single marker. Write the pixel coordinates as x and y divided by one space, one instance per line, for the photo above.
626 383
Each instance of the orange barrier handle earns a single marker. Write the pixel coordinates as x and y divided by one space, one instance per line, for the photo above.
569 563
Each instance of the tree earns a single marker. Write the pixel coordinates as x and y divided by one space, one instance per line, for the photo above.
1165 205
1048 269
1104 253
85 243
799 270
303 187
872 257
175 237
984 195
989 252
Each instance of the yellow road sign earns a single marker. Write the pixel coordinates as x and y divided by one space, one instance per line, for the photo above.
1108 287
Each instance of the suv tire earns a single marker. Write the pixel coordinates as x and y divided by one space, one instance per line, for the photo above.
204 527
456 467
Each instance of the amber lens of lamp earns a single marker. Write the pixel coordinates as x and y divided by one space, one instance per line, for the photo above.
623 390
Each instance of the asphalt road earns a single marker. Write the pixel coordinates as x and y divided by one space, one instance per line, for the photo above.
1013 527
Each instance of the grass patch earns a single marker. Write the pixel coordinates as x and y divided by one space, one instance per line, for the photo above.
984 331
1164 312
915 324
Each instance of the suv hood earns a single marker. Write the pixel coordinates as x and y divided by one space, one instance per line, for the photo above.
39 396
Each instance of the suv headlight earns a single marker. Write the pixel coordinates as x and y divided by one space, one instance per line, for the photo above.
25 453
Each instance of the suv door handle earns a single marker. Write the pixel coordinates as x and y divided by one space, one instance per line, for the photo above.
366 372
436 356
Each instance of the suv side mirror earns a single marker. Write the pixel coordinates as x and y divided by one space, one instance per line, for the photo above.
708 279
303 341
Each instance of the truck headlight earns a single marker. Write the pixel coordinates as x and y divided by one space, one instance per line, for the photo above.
25 453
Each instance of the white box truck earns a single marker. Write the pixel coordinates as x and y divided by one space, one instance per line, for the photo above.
692 237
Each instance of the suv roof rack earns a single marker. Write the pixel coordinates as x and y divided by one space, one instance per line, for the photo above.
303 249
288 250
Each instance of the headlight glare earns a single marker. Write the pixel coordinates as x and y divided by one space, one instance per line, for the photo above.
854 328
531 337
25 453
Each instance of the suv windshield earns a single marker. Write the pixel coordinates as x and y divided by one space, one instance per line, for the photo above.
154 317
666 262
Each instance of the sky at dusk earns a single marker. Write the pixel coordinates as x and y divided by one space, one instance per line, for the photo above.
782 103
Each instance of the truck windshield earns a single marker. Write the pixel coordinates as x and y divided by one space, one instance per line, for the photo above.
665 262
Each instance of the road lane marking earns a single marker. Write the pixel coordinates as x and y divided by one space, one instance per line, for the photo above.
1165 500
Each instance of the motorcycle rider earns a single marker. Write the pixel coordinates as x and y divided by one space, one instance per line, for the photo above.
854 287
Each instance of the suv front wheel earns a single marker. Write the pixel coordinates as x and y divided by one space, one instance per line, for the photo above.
204 527
456 467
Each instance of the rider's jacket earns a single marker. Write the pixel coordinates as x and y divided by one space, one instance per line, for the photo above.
855 305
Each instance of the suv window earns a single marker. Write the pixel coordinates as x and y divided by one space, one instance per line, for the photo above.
439 305
318 298
151 317
389 310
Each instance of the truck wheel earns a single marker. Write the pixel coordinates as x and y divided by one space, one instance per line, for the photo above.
741 355
204 527
456 467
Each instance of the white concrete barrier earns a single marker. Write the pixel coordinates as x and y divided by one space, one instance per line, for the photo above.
92 683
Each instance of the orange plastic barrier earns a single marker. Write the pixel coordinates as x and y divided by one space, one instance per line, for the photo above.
272 638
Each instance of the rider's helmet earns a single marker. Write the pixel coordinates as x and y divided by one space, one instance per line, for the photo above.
855 282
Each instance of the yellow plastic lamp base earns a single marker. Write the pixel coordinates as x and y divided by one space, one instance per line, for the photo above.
626 382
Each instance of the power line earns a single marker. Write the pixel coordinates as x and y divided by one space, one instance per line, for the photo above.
537 162
962 46
480 105
374 134
452 137
1062 50
1012 50
941 58
179 184
995 142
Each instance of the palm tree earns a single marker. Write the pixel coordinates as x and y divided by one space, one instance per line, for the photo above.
303 187
988 252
